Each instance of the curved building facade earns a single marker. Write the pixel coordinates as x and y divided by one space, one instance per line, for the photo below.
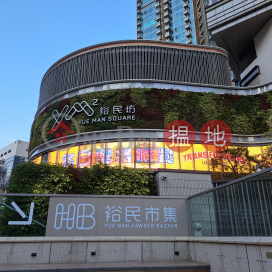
108 103
135 60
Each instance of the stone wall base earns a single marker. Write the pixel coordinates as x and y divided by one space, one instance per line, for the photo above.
221 253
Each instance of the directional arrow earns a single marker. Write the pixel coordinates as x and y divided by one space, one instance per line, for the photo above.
23 215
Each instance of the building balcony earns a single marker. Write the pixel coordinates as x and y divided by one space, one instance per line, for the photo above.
202 40
139 23
186 12
165 1
157 5
167 21
139 17
139 36
139 30
168 35
186 1
187 26
167 27
186 5
158 25
159 31
187 20
199 16
158 11
166 7
199 8
189 41
158 18
200 23
159 38
188 34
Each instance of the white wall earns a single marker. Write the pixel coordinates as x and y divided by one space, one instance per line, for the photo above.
263 46
17 148
182 184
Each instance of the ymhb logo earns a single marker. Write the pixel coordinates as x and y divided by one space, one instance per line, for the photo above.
69 113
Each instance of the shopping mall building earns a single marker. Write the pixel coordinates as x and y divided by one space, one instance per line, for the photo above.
107 103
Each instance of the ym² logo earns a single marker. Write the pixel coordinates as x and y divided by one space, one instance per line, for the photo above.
69 113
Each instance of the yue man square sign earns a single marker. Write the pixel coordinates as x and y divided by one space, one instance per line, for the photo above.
117 216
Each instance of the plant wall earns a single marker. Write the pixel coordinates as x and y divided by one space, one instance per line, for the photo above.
155 108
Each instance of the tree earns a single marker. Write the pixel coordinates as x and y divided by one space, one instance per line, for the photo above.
234 162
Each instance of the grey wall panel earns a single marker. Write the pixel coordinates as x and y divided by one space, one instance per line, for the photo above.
136 62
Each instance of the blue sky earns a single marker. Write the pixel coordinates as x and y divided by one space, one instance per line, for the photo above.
35 34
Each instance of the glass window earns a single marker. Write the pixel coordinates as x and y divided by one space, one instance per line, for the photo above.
113 154
146 2
85 156
39 160
45 158
128 154
171 158
72 155
187 159
200 157
62 156
157 155
52 157
98 153
142 154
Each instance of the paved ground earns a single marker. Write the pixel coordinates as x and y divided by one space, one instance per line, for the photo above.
185 266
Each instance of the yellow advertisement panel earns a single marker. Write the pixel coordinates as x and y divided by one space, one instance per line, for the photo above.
72 155
98 154
62 156
39 160
187 159
142 154
52 157
128 154
113 154
85 156
255 151
157 155
264 149
200 157
171 158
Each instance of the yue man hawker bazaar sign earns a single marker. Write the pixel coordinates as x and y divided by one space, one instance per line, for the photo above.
116 216
107 114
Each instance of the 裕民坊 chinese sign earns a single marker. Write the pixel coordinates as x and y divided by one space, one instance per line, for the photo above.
117 216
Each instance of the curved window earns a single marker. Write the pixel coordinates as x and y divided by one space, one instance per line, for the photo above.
139 154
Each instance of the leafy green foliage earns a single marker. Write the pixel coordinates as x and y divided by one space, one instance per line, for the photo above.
100 179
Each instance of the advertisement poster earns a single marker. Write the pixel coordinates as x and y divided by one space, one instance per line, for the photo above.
85 156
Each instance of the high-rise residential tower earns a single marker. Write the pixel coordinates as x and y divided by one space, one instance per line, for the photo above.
180 21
